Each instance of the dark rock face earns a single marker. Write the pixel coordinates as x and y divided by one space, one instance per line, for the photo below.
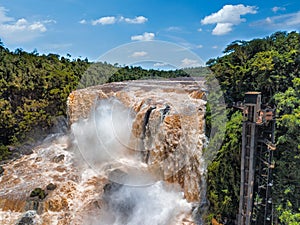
36 201
58 158
121 207
28 218
51 187
25 221
38 192
25 149
1 171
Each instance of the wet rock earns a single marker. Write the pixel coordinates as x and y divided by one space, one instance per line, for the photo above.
119 205
51 187
118 176
35 204
25 220
115 183
25 149
60 125
28 218
1 171
58 158
110 188
38 159
38 192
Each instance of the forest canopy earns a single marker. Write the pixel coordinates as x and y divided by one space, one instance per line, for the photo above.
270 65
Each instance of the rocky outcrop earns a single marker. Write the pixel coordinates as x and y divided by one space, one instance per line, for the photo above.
29 218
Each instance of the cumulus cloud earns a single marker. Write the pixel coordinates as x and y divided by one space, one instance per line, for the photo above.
189 63
139 54
143 37
20 30
227 17
222 28
105 20
199 46
275 9
136 20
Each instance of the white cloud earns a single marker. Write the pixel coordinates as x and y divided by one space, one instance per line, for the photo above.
136 20
293 19
227 17
222 28
159 64
23 25
48 21
199 30
189 63
173 28
144 37
21 30
268 20
275 9
285 21
38 26
139 54
106 20
83 22
3 17
199 46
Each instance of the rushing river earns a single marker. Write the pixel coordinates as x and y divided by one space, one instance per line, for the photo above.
133 156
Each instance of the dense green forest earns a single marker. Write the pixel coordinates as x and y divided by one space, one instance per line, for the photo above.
34 89
272 66
33 94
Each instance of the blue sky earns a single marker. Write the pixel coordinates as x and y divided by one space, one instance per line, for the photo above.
91 28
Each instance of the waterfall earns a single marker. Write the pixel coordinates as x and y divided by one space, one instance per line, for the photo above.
133 156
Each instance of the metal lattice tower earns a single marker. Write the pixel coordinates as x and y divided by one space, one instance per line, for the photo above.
256 162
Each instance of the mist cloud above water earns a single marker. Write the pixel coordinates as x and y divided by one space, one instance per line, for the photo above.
103 139
152 205
104 136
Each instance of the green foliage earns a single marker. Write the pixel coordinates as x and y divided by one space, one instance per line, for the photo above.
33 91
100 73
268 65
4 152
224 171
272 66
287 215
288 145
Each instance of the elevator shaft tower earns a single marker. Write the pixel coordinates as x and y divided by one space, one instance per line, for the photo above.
255 207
